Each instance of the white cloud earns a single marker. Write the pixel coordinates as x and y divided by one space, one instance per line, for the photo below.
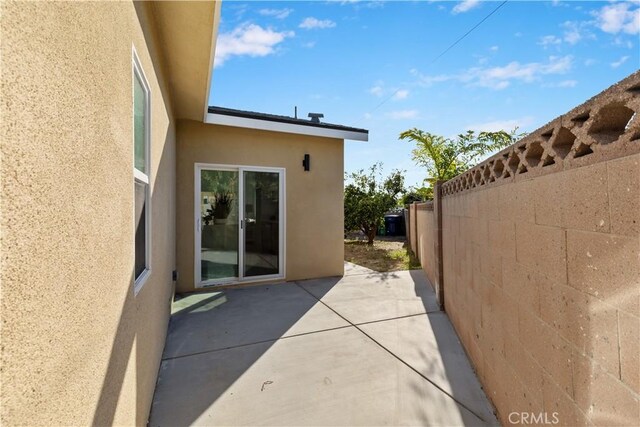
379 89
619 62
572 34
248 40
465 6
358 4
427 81
496 125
501 77
376 90
494 48
619 41
562 84
589 62
276 13
567 83
401 94
547 41
403 114
309 45
576 31
312 23
619 17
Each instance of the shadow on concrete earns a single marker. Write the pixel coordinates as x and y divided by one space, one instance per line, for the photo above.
253 341
245 323
446 363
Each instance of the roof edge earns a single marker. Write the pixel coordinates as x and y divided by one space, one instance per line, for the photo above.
294 128
281 119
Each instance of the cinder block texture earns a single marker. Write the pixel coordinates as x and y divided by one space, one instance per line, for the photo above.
629 339
541 261
623 178
542 249
605 266
426 240
603 128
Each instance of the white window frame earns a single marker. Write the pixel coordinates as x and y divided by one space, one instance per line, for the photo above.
138 72
282 228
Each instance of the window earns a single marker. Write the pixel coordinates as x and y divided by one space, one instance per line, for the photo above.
141 174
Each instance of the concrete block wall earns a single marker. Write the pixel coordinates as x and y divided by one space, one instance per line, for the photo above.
411 228
547 306
541 256
425 238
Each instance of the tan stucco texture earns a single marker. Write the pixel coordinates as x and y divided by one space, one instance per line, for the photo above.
314 199
78 347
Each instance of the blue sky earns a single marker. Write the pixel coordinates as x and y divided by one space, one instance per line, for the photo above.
370 64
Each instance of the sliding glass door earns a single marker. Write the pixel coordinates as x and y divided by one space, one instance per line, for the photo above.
239 224
219 224
262 223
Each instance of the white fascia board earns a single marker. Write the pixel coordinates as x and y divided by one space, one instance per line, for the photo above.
214 39
243 122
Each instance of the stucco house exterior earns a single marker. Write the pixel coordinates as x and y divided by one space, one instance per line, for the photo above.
288 216
121 186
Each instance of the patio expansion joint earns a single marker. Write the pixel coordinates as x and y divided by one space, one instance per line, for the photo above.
396 318
215 350
356 326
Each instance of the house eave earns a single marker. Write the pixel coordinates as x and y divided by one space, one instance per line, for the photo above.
187 33
268 125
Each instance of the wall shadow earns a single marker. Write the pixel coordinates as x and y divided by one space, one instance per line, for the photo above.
143 320
117 366
215 337
445 361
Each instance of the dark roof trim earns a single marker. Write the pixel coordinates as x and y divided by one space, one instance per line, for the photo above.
282 119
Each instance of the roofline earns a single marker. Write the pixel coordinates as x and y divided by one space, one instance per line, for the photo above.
270 122
279 118
212 54
270 125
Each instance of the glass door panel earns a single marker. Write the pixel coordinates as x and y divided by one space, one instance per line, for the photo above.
219 202
261 223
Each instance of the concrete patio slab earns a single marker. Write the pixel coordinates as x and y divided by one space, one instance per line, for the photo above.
233 317
375 296
365 349
429 344
337 377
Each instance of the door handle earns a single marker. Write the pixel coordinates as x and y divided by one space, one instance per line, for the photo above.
199 225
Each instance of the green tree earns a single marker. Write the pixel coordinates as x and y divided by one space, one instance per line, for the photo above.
446 158
421 194
367 197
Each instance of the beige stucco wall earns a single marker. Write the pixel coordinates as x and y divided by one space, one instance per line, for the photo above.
314 199
77 346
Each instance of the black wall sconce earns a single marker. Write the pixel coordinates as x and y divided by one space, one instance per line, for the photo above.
306 163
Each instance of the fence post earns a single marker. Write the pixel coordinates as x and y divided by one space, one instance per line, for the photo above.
437 210
415 227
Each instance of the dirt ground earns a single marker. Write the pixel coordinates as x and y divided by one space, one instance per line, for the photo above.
386 254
